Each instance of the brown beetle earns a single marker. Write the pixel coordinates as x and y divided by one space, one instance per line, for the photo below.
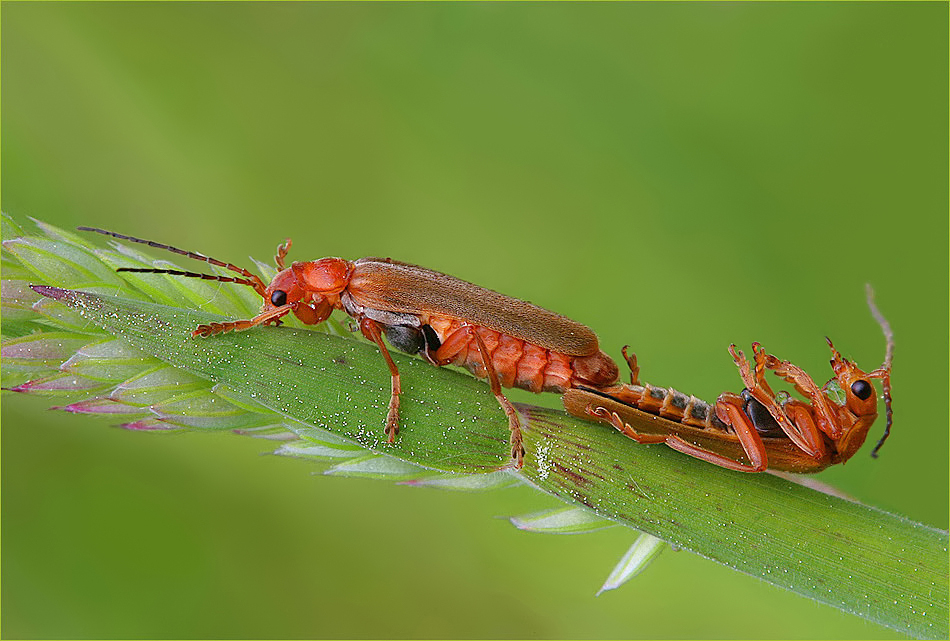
446 320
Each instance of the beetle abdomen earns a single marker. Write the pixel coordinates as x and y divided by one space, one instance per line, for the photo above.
524 365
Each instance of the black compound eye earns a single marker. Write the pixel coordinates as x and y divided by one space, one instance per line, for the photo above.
278 298
862 389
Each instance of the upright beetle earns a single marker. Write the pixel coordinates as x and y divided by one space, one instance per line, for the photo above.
446 320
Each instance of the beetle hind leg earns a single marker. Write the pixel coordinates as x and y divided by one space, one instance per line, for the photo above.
751 443
451 347
514 424
631 359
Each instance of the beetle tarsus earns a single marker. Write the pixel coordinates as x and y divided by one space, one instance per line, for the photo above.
392 420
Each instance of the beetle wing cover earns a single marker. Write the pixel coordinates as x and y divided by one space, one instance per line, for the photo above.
382 283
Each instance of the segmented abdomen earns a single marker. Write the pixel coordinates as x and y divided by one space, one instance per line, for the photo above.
668 403
521 364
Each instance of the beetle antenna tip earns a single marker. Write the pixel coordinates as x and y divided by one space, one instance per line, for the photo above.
885 326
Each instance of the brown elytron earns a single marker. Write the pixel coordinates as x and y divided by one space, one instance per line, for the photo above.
446 320
757 429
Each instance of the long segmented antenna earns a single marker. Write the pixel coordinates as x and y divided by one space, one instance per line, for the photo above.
178 272
252 280
885 369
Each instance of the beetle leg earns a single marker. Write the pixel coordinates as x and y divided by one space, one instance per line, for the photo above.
825 417
313 314
282 254
802 416
451 346
371 331
632 364
455 343
729 411
614 419
514 425
804 435
269 316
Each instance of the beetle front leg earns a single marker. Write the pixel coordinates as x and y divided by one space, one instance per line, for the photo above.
825 417
263 318
282 254
370 330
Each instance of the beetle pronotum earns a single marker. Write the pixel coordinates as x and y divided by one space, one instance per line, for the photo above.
754 430
446 320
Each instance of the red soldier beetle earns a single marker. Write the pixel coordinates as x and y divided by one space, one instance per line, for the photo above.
446 320
754 430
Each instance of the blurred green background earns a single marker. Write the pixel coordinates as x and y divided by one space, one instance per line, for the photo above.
677 176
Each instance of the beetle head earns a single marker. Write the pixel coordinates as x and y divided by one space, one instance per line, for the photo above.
310 288
283 290
861 399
